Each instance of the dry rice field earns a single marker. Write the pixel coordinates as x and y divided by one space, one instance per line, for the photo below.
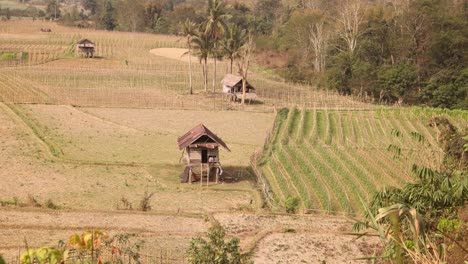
85 134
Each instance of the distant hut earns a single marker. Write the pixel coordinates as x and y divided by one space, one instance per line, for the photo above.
201 155
86 48
232 86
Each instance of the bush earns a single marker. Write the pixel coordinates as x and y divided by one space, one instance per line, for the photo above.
215 249
51 205
145 202
126 204
291 204
8 56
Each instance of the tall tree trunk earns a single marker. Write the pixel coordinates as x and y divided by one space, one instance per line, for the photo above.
205 74
214 75
190 70
232 60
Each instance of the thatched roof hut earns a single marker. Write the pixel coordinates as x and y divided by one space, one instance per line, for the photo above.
86 47
233 84
201 152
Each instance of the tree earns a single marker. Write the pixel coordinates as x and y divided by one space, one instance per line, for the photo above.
189 29
107 19
244 63
399 81
90 5
266 13
129 15
232 42
215 249
202 46
215 27
53 9
8 13
308 31
350 22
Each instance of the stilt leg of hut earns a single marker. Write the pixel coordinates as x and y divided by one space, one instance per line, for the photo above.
207 175
201 174
217 175
190 176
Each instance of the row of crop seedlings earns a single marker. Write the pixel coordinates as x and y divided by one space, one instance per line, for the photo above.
278 183
372 156
286 161
331 158
423 152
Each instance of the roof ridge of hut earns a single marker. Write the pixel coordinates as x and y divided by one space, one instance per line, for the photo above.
195 133
83 40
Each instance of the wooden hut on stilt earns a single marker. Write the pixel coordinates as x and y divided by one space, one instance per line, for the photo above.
201 157
86 48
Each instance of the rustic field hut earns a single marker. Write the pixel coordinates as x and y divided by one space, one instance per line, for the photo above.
201 148
86 48
232 86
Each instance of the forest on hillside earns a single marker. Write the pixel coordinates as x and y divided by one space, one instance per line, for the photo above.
405 52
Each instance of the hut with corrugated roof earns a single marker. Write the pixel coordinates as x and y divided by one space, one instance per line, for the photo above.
232 87
201 157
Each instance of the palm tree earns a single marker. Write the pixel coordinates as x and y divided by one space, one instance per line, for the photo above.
215 27
233 41
203 46
189 29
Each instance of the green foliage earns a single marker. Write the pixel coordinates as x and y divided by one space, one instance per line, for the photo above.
434 194
42 255
399 81
232 42
449 225
8 56
2 260
291 204
53 10
215 249
107 19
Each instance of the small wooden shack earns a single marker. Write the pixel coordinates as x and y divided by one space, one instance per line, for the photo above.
86 48
232 86
201 157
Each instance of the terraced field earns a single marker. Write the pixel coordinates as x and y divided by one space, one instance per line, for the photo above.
331 159
125 73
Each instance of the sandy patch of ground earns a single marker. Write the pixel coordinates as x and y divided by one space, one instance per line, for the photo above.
173 53
297 239
309 247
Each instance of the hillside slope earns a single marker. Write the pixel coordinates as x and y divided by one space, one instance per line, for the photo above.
329 159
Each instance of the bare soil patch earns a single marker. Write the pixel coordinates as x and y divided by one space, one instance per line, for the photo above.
173 53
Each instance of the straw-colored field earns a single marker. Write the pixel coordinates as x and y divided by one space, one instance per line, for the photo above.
85 134
126 74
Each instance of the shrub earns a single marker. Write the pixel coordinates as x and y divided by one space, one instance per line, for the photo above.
8 56
51 205
145 201
291 204
126 204
215 249
31 201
